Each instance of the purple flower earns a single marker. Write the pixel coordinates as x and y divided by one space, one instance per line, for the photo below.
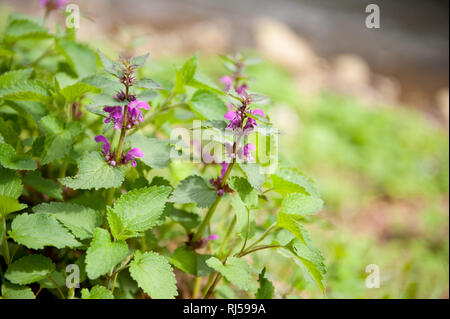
106 149
234 118
115 115
132 154
53 4
212 237
242 90
224 169
134 113
245 153
227 81
251 123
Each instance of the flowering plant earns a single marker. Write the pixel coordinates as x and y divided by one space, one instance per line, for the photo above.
95 201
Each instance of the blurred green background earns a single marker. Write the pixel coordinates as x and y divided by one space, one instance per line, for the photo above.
379 153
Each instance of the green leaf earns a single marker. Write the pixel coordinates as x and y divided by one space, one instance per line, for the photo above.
310 260
245 218
28 90
291 180
139 61
39 230
102 255
137 211
188 220
247 193
188 69
80 220
20 27
75 91
94 172
58 141
97 292
299 206
190 262
110 66
148 84
10 183
79 57
12 77
43 185
9 159
194 189
266 289
253 173
10 205
207 105
10 291
179 87
156 151
29 269
236 270
154 275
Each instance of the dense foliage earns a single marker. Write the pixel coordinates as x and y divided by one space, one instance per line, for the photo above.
98 181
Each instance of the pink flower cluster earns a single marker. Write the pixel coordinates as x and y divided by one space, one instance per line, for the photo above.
110 157
134 114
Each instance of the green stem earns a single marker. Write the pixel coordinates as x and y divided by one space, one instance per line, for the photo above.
263 236
213 286
197 286
5 243
57 287
227 236
257 249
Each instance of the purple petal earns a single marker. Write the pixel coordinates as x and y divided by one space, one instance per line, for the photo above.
135 152
258 112
212 237
227 81
106 146
224 169
140 105
230 115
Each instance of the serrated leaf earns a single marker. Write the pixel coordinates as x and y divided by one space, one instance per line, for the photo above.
188 220
245 218
39 230
207 105
58 141
291 180
12 77
139 61
148 84
10 205
43 185
190 262
156 151
194 189
236 270
28 90
80 220
300 205
109 65
246 192
253 173
266 289
154 275
188 69
11 291
102 255
80 58
29 269
94 172
9 159
97 292
75 91
10 183
137 211
19 27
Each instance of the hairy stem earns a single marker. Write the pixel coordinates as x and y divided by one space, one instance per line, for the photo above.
5 243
